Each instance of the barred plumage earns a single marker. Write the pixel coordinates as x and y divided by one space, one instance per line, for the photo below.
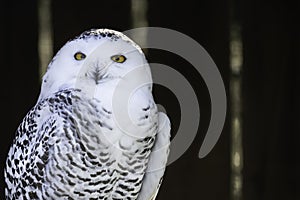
70 146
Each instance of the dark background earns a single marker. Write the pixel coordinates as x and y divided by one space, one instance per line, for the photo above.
271 104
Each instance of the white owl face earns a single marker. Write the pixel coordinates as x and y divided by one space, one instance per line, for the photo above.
95 57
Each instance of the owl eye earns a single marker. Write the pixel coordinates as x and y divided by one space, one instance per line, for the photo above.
118 58
79 56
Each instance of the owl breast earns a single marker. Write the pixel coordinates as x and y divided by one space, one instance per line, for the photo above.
79 152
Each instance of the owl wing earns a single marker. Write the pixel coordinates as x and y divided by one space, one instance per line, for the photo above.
157 161
29 154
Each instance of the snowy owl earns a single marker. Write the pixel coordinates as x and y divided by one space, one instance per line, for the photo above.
95 131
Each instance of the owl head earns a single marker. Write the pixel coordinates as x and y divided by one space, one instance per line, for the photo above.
93 59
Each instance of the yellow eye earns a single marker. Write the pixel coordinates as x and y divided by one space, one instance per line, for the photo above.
118 58
79 56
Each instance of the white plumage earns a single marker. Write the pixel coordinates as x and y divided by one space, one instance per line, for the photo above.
80 141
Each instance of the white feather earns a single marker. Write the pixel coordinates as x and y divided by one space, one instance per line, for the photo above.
158 160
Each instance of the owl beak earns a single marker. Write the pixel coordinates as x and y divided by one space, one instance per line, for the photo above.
96 74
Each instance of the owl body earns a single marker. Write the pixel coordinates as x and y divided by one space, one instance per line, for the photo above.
73 143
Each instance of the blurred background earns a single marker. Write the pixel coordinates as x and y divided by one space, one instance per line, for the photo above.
255 45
